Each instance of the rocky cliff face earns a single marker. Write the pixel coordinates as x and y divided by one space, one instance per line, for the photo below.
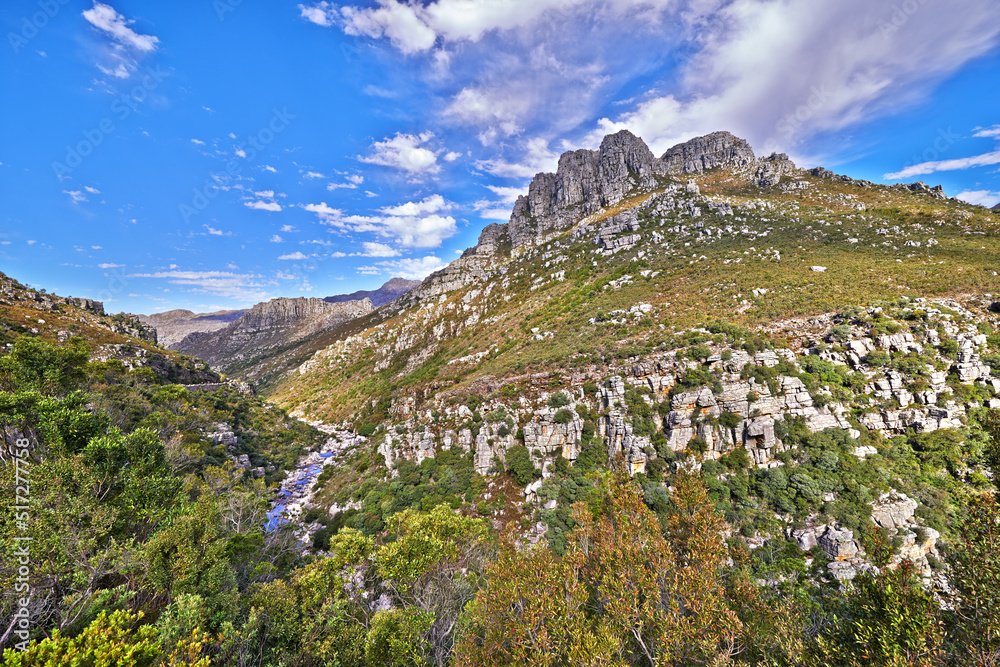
719 149
173 326
265 329
587 181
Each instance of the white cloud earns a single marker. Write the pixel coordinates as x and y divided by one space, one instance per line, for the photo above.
985 198
351 182
288 228
451 156
537 158
239 152
110 266
377 250
322 13
242 287
93 191
402 24
507 195
417 224
265 194
95 247
269 168
993 132
298 256
276 239
413 268
430 204
492 210
263 205
493 108
851 64
120 71
76 196
314 174
405 152
323 211
216 232
923 168
105 18
199 142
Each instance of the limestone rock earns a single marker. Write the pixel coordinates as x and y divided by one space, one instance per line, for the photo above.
892 510
838 543
718 149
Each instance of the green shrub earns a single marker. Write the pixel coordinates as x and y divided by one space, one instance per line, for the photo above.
520 466
559 400
563 416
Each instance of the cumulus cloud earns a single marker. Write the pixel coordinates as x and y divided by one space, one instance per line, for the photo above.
323 211
198 142
413 268
76 196
263 205
405 152
294 256
110 266
351 182
377 250
276 239
416 224
985 198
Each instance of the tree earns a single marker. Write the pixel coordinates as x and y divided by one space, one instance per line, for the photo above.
975 579
886 619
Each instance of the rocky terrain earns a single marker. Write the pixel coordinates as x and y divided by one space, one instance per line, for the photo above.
253 345
173 326
120 337
687 311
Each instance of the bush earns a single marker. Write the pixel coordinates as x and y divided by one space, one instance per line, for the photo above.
559 400
563 416
520 466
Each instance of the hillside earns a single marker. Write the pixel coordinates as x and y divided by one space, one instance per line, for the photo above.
269 338
748 241
705 306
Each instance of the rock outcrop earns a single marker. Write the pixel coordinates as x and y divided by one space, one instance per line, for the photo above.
718 149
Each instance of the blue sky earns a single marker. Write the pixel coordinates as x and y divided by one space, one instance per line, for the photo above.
211 154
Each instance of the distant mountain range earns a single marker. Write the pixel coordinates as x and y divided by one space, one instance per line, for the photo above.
393 289
241 340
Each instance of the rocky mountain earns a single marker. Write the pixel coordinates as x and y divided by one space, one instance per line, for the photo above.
695 309
391 290
263 340
172 326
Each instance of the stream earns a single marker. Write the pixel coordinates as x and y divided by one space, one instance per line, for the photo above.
296 491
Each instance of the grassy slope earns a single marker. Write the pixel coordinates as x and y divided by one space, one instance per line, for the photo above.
695 284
